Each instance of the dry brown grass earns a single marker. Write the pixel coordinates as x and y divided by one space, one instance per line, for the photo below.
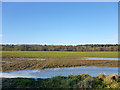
13 64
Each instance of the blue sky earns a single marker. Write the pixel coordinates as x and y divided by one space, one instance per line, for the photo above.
60 23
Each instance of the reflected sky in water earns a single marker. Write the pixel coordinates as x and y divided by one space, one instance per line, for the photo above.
52 72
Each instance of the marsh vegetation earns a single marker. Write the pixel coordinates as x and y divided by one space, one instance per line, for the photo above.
72 81
53 59
25 60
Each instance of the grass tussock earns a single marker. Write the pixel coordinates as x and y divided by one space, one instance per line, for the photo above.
72 81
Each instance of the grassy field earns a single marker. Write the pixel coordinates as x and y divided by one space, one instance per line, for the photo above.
72 81
57 54
54 59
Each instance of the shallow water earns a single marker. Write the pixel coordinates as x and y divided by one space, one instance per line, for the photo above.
83 58
48 73
96 58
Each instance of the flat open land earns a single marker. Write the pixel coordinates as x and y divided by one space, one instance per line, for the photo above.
19 60
58 54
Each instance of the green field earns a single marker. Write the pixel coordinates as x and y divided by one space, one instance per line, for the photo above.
57 54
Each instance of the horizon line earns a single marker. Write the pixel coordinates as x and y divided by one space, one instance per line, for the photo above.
60 44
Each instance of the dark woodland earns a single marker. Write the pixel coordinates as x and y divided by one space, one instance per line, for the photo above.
87 47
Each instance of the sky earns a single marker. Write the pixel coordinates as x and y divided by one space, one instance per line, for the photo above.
60 23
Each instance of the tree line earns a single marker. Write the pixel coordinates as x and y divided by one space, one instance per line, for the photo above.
87 47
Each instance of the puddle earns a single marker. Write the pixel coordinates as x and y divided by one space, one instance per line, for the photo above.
96 58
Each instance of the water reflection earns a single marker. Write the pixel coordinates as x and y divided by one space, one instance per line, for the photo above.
96 58
48 73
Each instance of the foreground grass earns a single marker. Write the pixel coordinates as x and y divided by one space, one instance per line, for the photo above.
57 54
72 81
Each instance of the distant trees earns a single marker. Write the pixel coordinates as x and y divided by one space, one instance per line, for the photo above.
88 47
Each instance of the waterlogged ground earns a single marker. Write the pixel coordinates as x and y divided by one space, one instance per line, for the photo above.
40 64
96 58
9 64
52 72
82 58
76 63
